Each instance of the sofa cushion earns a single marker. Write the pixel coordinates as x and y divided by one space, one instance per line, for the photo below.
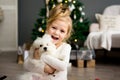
108 22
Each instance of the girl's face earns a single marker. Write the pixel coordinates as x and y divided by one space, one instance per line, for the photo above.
58 31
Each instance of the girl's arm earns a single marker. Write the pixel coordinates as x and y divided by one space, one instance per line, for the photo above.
34 65
59 64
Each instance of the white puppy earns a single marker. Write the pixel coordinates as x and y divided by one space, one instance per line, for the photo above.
46 47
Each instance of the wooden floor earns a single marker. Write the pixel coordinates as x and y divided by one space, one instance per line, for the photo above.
109 70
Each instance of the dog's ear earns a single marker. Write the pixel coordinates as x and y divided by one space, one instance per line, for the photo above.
37 42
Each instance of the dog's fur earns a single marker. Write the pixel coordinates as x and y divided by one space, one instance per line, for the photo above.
46 47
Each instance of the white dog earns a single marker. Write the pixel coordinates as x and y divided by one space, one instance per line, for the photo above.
46 47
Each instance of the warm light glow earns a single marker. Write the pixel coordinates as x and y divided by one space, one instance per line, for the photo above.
42 31
74 2
66 1
75 40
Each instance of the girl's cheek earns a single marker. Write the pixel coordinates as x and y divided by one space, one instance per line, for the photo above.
50 31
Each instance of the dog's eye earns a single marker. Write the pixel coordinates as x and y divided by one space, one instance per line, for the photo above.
41 45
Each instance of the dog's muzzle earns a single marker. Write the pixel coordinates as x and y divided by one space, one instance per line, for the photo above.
45 48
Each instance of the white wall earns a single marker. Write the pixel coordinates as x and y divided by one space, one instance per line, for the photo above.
9 26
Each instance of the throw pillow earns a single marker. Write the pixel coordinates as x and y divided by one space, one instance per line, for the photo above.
108 22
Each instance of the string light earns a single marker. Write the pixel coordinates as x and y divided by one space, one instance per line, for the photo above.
74 1
75 40
42 31
66 1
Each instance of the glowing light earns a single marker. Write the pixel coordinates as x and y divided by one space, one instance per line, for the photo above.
74 2
66 1
75 40
42 31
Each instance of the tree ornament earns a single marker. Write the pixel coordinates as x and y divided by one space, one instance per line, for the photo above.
80 8
81 20
70 0
71 7
74 16
40 29
59 1
83 13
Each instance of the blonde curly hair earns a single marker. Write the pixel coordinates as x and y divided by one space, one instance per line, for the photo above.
60 12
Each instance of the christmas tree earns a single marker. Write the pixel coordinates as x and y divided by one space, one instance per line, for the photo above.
80 22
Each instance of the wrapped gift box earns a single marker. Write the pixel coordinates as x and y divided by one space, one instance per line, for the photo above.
82 58
86 54
85 63
82 54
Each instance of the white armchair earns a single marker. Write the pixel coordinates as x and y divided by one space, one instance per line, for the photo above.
106 33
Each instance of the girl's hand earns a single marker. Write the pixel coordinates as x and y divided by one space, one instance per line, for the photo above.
48 69
36 54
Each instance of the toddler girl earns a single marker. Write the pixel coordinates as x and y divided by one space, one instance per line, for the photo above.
59 26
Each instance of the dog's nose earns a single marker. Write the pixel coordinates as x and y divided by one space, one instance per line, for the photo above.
45 48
